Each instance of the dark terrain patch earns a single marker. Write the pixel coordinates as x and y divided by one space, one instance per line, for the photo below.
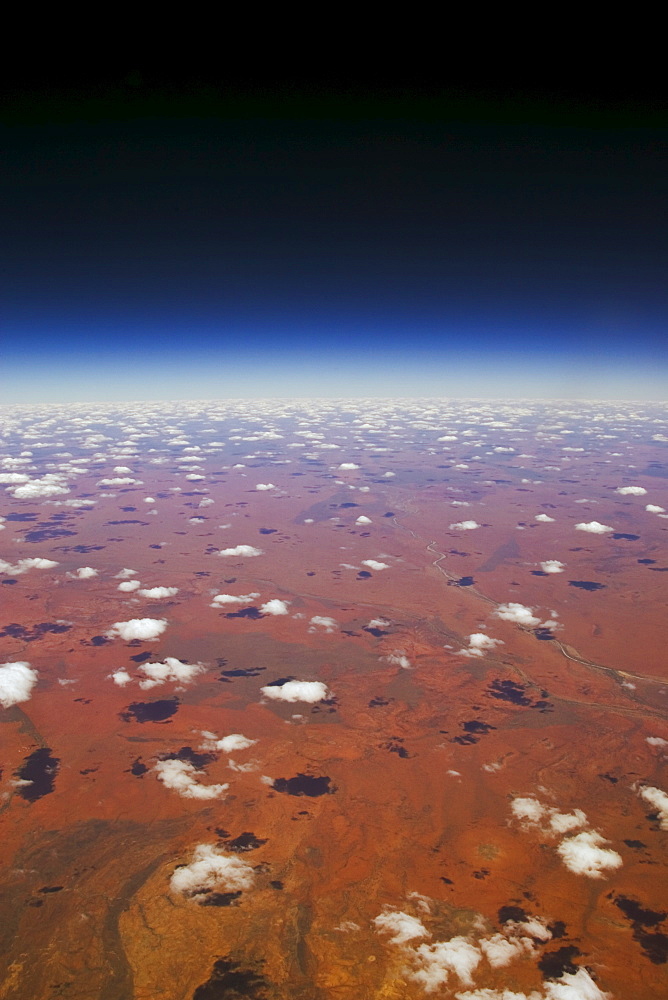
586 584
475 726
37 631
46 534
304 784
653 943
553 964
244 842
151 711
241 672
515 913
40 769
622 536
190 756
220 899
509 691
229 981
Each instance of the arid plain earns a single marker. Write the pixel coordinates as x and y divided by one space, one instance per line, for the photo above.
353 699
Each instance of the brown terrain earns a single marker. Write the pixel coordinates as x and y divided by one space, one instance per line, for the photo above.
419 797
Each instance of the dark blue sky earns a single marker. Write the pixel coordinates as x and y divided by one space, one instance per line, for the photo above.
166 240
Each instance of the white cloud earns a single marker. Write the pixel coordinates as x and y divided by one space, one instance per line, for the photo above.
436 961
570 986
329 624
128 586
138 628
241 550
518 613
545 518
23 565
631 491
656 741
121 677
565 822
38 488
13 478
500 950
399 659
479 644
228 744
363 519
464 526
348 466
158 593
584 855
654 508
374 564
552 566
120 481
658 799
528 809
182 777
275 607
125 573
308 691
171 670
221 599
265 486
402 926
574 986
211 869
593 527
86 572
17 680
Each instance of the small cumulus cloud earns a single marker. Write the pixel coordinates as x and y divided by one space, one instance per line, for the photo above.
228 744
584 855
158 593
241 550
23 565
322 621
261 487
552 566
631 491
145 629
398 658
544 518
121 677
658 800
401 926
171 670
593 527
275 607
211 869
125 573
348 466
182 777
654 508
518 613
363 519
85 573
479 644
17 679
464 526
128 586
220 600
306 691
374 564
